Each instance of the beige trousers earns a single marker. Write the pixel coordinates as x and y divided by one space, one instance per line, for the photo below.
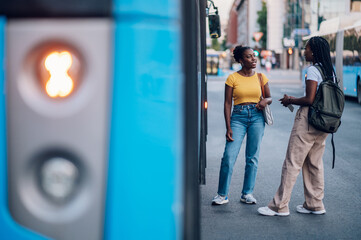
305 150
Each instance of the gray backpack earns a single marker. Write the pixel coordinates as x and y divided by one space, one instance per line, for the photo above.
326 110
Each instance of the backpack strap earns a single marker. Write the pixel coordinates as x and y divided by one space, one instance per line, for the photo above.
333 151
320 70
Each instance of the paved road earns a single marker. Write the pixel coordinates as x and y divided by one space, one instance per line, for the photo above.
342 184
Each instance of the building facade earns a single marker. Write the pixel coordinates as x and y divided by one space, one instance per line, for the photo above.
275 23
287 22
302 18
242 23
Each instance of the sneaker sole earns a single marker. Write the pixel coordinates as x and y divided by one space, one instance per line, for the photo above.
312 212
244 201
305 211
275 214
221 203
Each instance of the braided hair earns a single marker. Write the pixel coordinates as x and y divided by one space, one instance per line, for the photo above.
238 52
321 55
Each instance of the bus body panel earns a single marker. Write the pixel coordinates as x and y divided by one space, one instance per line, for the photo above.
8 227
137 9
71 134
350 74
152 124
144 193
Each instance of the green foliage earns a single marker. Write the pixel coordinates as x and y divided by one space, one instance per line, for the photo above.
262 22
224 43
215 44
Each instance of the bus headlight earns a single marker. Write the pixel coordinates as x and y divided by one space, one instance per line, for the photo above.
58 177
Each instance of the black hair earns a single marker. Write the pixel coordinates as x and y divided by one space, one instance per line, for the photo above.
238 52
321 55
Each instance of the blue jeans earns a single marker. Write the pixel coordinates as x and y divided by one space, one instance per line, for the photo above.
245 119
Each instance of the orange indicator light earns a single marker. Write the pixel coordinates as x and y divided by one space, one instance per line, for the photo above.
205 105
60 83
290 51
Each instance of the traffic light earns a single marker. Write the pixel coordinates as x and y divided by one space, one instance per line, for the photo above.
58 97
214 26
290 51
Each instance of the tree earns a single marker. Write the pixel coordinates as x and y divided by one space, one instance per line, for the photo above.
224 43
262 22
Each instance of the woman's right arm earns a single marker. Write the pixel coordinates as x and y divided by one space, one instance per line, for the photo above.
311 88
228 92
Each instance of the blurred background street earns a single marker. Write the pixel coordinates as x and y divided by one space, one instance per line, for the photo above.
236 220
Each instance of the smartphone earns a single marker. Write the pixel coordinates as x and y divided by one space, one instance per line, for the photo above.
290 107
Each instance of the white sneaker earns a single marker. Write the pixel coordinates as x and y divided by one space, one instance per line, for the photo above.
266 211
248 198
219 200
301 209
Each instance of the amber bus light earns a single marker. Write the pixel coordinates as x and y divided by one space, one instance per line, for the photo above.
59 84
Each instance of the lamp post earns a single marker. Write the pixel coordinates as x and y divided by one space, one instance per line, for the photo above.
318 15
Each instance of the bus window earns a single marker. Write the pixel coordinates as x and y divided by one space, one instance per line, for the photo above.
357 48
348 47
347 57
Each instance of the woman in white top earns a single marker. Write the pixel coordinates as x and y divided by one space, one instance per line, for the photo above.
306 144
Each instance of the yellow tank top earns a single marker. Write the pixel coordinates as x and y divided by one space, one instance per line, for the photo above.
245 89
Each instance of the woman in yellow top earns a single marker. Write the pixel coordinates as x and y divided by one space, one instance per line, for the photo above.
247 118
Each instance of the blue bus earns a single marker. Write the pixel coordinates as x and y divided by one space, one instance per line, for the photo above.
344 37
102 118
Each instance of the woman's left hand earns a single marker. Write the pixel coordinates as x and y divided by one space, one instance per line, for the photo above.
261 104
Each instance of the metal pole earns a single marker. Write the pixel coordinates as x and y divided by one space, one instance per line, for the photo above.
303 14
318 15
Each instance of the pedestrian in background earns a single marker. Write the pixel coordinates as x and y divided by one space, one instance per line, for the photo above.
306 144
268 64
246 119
